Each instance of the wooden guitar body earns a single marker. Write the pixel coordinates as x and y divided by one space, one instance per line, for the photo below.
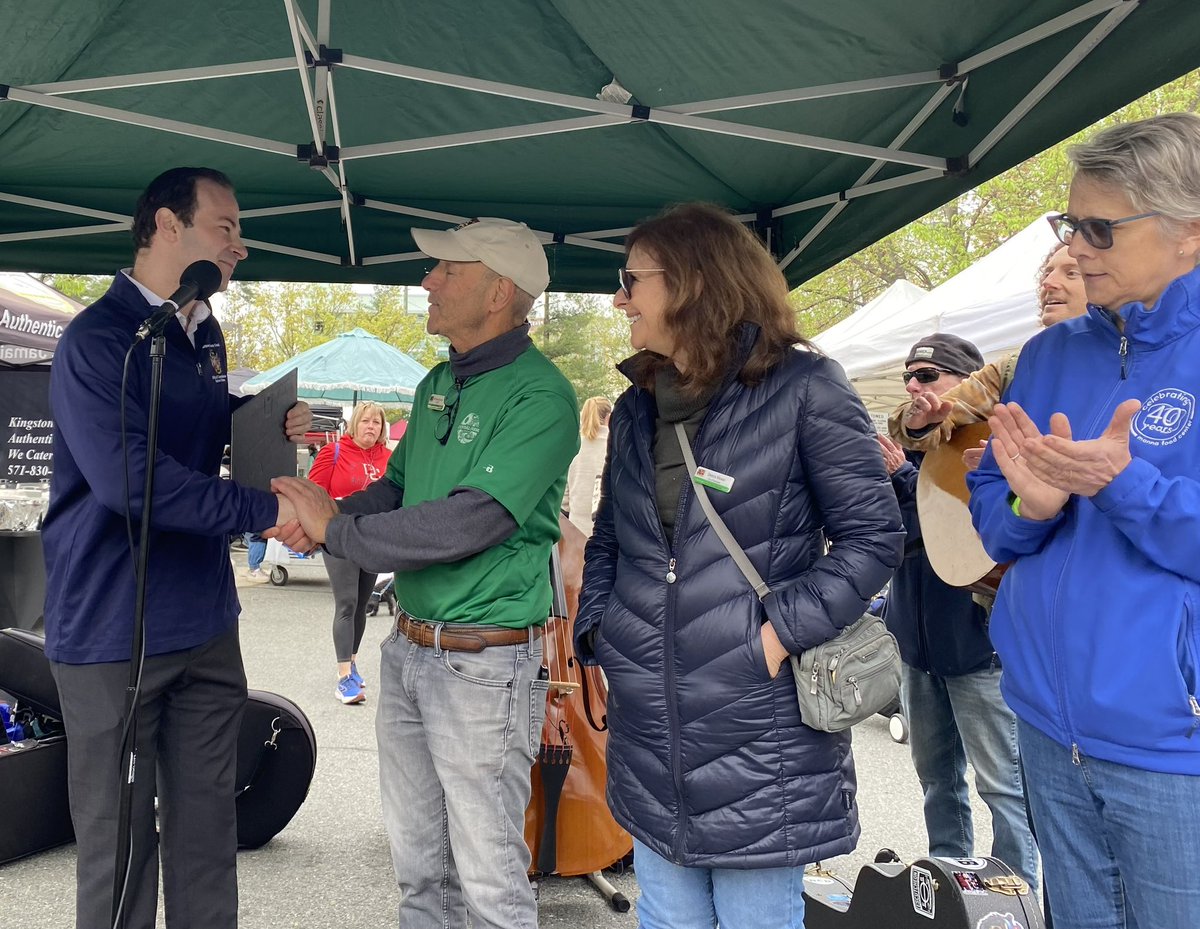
951 542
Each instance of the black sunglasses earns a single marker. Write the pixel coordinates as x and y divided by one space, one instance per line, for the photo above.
924 375
445 422
627 279
1096 232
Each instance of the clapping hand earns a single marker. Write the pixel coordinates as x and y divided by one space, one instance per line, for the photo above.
1086 466
972 456
926 409
893 454
1014 434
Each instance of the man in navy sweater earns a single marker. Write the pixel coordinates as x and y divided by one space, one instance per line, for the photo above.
193 687
950 685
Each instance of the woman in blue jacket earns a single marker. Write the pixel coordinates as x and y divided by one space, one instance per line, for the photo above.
726 792
1091 487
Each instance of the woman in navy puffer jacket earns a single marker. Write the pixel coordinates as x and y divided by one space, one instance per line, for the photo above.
726 791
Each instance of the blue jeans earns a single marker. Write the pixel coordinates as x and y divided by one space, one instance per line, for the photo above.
458 732
256 550
677 897
1121 846
953 720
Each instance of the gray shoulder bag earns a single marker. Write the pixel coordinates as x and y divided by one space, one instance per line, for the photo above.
840 682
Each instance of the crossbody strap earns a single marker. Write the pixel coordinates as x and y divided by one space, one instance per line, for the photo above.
718 524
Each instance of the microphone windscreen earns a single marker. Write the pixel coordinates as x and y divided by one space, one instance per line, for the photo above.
205 275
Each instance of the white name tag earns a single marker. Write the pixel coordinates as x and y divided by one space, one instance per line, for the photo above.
714 479
437 403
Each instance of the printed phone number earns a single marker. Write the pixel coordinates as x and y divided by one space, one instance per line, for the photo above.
28 470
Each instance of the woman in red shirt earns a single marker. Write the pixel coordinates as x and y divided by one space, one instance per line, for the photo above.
344 467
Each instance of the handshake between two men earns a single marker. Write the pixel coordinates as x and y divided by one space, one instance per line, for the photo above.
304 508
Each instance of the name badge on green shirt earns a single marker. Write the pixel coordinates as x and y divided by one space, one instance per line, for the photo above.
714 479
516 432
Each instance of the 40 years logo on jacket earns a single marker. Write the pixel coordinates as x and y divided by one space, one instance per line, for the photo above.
1165 418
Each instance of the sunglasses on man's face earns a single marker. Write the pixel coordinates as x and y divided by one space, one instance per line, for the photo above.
924 375
1096 232
626 276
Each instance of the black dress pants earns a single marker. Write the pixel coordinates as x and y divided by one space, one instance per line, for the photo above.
190 713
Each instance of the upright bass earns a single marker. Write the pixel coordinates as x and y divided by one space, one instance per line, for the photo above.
568 827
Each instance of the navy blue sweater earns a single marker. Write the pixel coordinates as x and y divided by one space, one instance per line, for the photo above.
90 573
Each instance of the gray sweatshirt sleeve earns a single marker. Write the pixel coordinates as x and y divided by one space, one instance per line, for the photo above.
379 497
414 537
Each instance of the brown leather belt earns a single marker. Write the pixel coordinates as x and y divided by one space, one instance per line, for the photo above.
461 637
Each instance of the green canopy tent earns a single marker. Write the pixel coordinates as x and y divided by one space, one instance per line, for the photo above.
345 122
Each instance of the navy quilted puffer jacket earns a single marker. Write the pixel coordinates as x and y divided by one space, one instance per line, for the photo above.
709 763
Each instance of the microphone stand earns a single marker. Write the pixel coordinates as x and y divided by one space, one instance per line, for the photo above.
129 773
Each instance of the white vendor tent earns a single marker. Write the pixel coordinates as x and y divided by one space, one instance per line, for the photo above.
877 314
993 303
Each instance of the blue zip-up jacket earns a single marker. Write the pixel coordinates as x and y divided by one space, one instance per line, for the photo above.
1096 619
90 573
940 629
709 762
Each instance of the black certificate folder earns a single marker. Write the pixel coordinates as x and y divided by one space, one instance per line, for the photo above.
259 449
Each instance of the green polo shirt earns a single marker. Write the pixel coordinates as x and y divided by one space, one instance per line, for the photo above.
514 435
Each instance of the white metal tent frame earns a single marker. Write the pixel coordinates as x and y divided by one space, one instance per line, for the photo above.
315 62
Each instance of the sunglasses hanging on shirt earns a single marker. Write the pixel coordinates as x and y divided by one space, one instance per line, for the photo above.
448 404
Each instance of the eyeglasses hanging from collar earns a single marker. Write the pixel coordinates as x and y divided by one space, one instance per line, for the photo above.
449 408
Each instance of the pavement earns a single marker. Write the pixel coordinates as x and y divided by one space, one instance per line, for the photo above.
330 867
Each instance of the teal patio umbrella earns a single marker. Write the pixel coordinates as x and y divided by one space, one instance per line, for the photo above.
354 366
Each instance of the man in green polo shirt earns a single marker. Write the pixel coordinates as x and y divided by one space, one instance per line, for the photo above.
466 518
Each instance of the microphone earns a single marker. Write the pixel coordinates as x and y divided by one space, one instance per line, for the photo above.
199 281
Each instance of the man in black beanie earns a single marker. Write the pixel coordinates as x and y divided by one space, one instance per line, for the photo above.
946 352
933 356
950 686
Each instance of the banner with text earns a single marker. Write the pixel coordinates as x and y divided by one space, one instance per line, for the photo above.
25 425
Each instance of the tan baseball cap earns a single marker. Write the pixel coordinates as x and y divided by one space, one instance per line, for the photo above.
509 248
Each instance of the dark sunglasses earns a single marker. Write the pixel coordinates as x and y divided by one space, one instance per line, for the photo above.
924 375
626 276
1096 232
445 422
